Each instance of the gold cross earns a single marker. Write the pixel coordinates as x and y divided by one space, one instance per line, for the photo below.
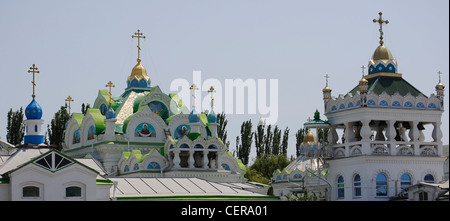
211 90
69 99
33 70
381 21
138 35
326 77
362 67
110 85
193 88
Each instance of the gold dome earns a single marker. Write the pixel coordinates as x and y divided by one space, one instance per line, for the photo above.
309 138
138 72
440 86
383 53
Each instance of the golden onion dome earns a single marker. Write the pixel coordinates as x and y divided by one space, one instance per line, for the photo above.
363 81
440 86
383 53
309 138
326 89
138 72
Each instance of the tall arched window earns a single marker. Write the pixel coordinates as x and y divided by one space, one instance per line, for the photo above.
340 187
381 185
429 178
405 181
357 186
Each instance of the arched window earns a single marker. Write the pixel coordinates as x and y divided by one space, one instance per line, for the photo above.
429 178
340 187
30 191
357 186
73 191
381 185
405 181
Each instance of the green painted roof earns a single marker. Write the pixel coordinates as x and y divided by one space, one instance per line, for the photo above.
390 85
78 117
99 120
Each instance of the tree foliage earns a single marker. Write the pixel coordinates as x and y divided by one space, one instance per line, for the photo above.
243 149
15 128
221 129
267 164
56 128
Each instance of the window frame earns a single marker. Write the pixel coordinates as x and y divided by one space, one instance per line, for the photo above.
340 187
357 186
379 186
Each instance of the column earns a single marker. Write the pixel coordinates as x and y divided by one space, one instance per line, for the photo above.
414 135
365 134
437 136
176 158
191 159
390 130
205 158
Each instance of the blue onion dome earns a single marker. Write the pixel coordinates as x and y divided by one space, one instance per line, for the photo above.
212 118
110 114
33 111
194 117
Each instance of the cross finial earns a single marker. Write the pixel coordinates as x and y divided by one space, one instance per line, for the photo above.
380 21
110 85
33 70
138 35
69 99
211 90
326 77
363 67
193 88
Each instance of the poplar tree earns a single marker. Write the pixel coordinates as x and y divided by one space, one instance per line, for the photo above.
243 149
57 126
15 129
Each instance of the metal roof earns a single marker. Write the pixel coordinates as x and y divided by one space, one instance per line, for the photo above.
179 188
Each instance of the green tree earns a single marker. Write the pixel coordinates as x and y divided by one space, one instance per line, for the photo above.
276 141
15 129
259 139
85 107
57 126
284 143
299 139
268 163
221 129
243 149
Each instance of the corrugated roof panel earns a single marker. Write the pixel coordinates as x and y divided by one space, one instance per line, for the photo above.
172 185
205 185
190 186
157 186
140 185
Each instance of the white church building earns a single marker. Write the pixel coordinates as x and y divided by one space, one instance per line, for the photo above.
382 149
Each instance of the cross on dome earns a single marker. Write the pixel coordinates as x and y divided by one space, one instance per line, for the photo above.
380 21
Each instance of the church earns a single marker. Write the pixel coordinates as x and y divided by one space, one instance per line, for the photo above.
141 145
382 149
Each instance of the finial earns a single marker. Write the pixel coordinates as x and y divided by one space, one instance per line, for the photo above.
439 73
211 90
380 21
110 85
33 70
326 77
138 35
193 88
363 67
69 99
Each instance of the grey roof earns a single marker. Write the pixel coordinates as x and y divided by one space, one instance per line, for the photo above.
180 188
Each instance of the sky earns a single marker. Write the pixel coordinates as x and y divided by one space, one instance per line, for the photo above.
80 45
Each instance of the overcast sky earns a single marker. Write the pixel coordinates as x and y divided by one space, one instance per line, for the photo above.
80 45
